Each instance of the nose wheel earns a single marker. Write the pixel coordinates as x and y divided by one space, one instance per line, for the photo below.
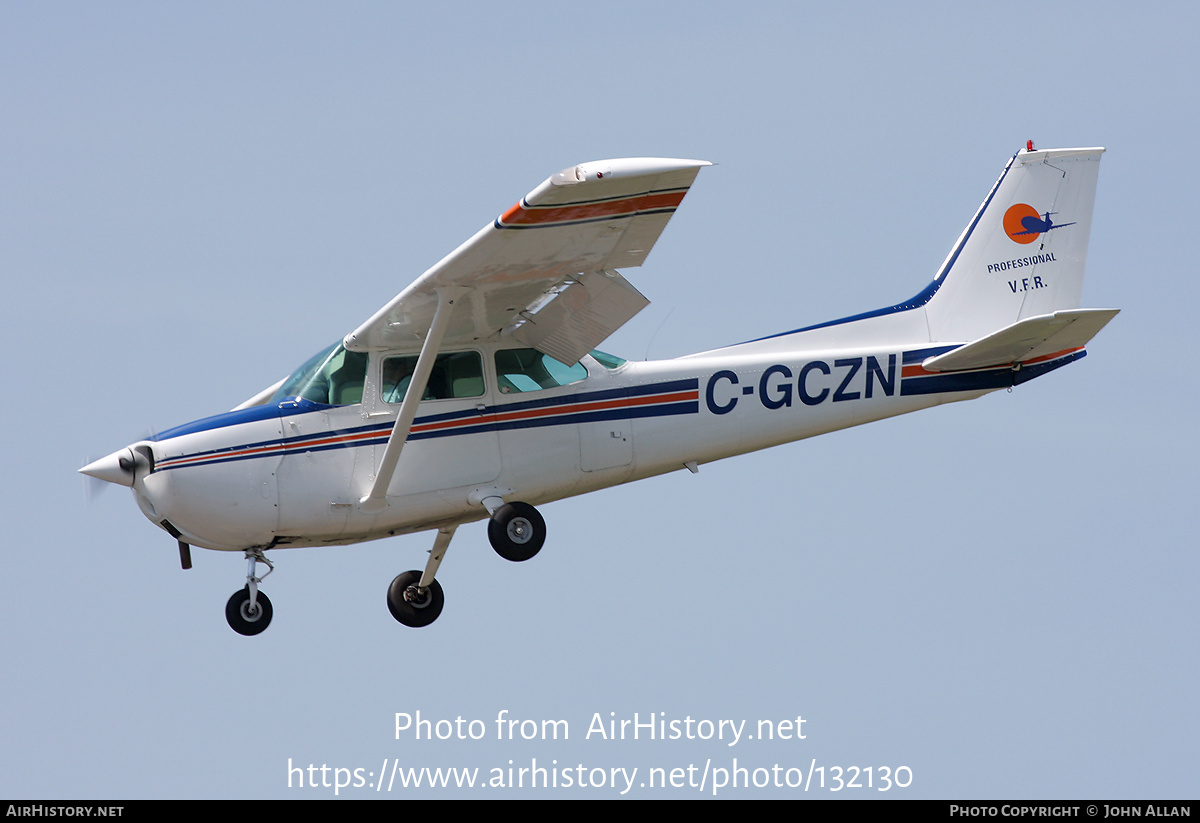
249 612
245 617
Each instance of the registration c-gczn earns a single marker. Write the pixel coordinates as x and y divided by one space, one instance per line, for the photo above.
850 378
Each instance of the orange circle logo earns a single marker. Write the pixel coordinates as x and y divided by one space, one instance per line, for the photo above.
1022 223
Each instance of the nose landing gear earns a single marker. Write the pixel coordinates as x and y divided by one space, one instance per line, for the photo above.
248 611
245 617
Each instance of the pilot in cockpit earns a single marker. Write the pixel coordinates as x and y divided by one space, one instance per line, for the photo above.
397 374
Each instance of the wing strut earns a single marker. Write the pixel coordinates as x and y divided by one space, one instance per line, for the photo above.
375 500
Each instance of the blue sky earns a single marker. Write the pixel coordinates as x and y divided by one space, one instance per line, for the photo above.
999 595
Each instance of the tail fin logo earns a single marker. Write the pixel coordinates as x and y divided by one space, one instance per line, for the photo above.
1023 223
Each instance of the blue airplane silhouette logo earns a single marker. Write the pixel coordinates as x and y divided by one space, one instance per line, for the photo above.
1034 225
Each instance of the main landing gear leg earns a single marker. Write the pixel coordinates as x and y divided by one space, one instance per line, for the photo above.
415 598
249 610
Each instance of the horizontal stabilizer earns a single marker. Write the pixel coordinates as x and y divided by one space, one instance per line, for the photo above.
1026 340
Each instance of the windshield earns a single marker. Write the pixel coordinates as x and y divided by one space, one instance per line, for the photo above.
333 377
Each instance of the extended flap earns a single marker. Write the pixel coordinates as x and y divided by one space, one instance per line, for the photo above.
581 316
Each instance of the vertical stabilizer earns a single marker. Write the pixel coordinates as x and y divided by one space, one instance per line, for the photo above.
1024 252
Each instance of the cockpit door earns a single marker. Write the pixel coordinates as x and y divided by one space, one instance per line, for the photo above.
453 440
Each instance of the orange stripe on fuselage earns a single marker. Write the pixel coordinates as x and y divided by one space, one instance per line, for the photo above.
466 422
555 411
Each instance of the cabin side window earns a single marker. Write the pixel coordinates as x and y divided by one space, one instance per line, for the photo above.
522 370
454 375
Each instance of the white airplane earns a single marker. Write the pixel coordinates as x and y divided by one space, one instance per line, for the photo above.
478 393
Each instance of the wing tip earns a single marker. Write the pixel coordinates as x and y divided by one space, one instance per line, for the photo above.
622 167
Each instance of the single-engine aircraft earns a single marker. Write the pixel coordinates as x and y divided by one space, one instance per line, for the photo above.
478 391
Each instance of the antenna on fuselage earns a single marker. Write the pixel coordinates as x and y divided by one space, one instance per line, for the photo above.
656 331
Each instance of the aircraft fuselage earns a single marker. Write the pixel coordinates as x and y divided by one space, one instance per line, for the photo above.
292 474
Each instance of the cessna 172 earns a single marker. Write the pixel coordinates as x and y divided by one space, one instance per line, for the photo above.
477 391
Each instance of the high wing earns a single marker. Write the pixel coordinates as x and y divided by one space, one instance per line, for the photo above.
544 271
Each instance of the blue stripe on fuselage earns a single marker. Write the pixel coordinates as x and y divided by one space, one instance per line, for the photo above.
381 431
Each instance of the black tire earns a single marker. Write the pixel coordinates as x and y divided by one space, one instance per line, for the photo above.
409 606
239 616
517 531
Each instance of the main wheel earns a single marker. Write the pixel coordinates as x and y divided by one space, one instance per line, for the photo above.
517 531
242 619
413 606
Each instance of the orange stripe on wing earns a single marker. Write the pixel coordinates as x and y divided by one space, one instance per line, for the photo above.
520 215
